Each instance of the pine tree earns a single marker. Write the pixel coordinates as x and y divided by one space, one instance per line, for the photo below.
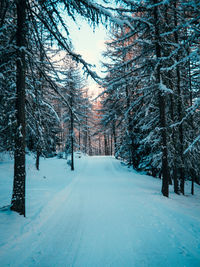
18 196
152 59
48 13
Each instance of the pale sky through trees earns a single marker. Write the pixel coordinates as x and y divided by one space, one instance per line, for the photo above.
90 44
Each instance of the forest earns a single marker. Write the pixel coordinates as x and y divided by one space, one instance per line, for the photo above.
148 111
108 177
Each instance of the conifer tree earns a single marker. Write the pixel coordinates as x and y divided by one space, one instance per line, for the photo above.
48 13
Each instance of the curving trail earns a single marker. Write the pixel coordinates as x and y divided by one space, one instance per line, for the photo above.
108 216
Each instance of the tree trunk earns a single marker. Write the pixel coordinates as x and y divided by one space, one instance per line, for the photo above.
114 139
111 144
175 177
99 145
180 115
130 129
192 185
86 136
90 145
193 173
72 153
161 101
18 195
79 138
37 162
105 145
72 136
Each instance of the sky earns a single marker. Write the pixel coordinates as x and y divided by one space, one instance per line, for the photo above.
90 44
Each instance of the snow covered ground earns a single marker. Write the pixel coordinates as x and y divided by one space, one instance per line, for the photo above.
102 214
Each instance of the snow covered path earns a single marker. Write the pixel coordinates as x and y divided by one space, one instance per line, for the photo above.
109 216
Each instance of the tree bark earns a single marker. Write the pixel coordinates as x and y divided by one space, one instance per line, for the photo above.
193 173
105 144
90 145
86 136
79 138
180 112
72 134
174 173
18 196
161 101
99 145
111 144
114 138
37 162
130 129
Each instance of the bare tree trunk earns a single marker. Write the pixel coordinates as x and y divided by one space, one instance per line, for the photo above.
90 145
114 138
193 174
171 86
72 134
37 162
99 145
105 144
174 172
192 185
111 144
130 128
161 100
72 146
180 112
38 94
18 196
79 138
86 136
